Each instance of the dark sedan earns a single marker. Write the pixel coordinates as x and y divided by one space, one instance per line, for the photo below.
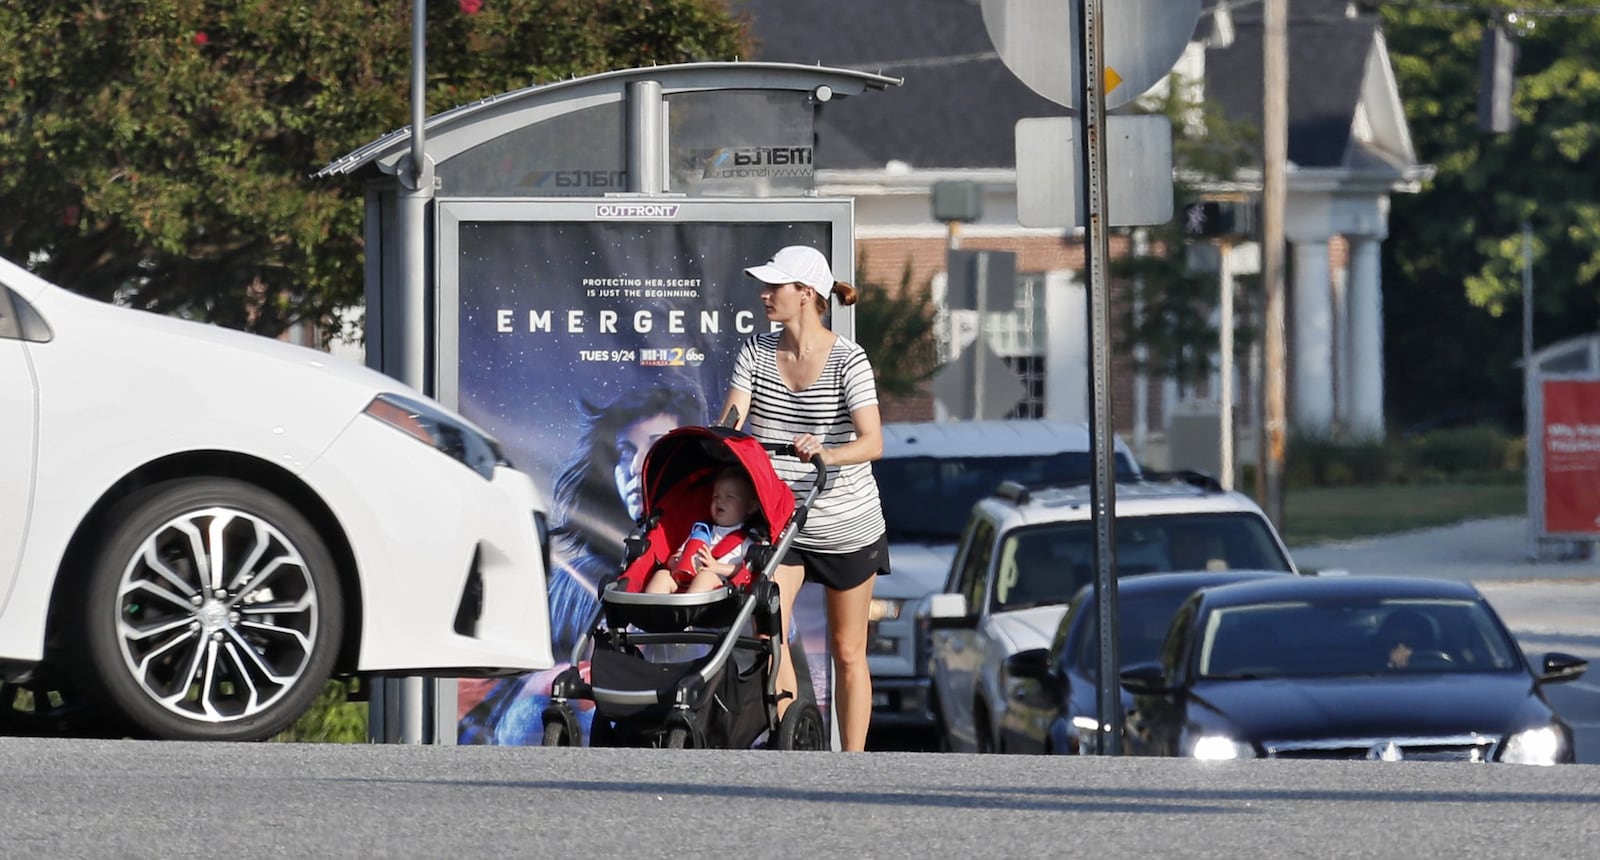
1055 691
1346 668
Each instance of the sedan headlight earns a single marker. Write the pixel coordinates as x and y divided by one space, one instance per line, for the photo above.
439 430
1540 746
1221 748
1087 732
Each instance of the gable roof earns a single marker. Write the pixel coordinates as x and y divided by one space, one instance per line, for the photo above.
959 105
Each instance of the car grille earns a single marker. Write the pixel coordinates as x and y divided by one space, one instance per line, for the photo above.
1471 748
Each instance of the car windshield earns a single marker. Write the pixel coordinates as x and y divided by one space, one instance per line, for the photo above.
1048 563
1141 627
1333 638
929 498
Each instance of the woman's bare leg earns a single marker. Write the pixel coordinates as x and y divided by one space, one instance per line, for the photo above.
847 635
789 578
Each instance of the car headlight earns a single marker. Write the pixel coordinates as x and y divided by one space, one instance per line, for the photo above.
1087 732
439 430
884 609
1541 746
1221 748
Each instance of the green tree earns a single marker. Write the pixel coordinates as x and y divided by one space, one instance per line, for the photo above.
159 151
895 327
1453 260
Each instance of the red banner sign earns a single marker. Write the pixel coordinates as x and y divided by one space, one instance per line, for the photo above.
1572 456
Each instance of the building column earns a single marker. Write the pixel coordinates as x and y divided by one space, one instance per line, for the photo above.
1312 395
1365 291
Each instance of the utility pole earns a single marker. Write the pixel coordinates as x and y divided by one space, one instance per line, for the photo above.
1275 155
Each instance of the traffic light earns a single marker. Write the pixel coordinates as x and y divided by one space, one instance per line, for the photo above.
1209 219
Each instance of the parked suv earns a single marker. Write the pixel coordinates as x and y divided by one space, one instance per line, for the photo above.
929 477
1027 550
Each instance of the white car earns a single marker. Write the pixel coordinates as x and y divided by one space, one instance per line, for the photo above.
1025 553
199 526
930 476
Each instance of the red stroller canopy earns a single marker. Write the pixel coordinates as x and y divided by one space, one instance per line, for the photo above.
688 455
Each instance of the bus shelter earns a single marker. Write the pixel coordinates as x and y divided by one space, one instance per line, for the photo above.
565 262
1563 424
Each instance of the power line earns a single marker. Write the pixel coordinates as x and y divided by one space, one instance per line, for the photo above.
1489 8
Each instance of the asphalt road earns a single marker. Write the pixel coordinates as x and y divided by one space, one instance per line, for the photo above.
135 799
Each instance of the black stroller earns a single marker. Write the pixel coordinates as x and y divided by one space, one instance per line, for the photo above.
725 698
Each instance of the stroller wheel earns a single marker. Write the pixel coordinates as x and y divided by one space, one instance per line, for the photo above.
801 728
676 738
557 734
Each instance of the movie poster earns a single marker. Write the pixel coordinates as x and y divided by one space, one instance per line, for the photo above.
1572 457
580 342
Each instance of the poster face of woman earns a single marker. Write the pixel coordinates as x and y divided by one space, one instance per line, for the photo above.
581 343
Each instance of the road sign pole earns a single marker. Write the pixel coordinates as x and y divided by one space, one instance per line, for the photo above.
1097 247
981 286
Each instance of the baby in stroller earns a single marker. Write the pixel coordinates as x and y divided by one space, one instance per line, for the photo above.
715 550
683 649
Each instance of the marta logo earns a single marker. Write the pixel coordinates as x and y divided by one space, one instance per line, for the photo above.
636 211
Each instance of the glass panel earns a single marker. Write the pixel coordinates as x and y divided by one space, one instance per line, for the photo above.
741 143
579 154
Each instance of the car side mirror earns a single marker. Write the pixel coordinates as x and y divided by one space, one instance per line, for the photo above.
946 611
1145 679
1032 665
1557 667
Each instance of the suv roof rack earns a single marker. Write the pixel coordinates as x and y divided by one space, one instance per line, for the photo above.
1192 477
1019 493
1014 491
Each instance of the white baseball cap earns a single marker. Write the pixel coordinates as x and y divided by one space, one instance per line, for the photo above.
796 264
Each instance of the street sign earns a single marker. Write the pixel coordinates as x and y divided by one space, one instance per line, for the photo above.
992 272
1038 41
977 385
1138 171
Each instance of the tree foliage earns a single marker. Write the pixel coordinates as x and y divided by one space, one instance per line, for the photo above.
159 151
1453 260
896 330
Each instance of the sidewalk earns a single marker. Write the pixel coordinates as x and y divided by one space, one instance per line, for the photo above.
1479 550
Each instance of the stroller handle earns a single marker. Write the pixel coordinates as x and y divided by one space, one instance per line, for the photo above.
787 450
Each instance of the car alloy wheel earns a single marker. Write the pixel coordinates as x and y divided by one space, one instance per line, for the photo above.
214 611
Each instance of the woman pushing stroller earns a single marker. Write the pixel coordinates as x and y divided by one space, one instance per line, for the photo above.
814 389
804 389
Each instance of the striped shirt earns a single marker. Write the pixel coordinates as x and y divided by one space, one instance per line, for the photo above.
847 515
